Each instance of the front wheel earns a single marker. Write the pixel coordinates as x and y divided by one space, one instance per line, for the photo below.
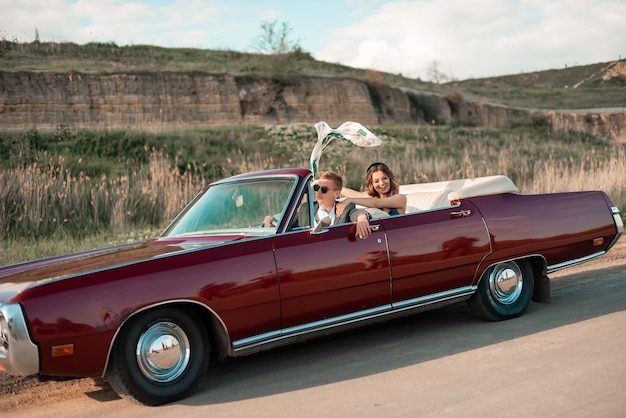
159 357
504 291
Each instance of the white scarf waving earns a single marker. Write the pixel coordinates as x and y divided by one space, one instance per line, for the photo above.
352 132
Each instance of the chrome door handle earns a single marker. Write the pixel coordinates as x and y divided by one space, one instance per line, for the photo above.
461 214
375 227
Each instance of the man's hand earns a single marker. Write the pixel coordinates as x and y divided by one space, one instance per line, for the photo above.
269 221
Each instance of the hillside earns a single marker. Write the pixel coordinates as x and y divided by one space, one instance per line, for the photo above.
601 85
103 85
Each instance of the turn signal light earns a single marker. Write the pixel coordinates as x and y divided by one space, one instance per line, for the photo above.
598 241
62 350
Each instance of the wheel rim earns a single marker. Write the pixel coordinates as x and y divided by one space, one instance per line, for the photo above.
506 282
163 352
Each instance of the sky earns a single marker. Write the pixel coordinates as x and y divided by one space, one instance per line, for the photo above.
460 39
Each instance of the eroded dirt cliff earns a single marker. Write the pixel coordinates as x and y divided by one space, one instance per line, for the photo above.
157 100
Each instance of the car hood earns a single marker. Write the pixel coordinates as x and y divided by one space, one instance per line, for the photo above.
17 277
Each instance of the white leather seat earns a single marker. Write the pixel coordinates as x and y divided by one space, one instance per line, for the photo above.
424 196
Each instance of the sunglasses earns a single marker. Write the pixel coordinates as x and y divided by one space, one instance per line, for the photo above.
317 187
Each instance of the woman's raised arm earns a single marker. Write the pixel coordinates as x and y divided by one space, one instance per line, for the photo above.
397 201
352 193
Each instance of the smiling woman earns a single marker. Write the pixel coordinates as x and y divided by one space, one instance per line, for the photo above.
383 191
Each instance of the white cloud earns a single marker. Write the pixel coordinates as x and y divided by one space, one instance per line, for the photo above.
180 23
481 38
270 15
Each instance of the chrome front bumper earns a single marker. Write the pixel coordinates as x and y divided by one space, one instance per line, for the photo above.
619 225
18 354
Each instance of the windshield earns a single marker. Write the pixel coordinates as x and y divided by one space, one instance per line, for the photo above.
233 207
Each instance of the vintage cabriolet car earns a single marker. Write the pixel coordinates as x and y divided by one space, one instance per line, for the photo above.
223 281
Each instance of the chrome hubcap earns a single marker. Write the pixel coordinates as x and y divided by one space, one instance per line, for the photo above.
163 352
506 282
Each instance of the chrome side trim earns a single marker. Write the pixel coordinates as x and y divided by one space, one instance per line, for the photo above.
19 356
348 321
270 337
571 263
434 298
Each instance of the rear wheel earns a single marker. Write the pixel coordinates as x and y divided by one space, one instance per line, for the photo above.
504 291
159 357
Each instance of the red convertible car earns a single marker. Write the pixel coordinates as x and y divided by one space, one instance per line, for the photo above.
220 281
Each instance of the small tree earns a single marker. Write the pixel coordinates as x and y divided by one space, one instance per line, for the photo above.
273 40
282 55
435 74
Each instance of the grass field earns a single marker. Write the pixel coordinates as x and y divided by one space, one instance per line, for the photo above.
72 190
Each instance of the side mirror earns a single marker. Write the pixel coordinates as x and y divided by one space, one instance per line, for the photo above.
323 223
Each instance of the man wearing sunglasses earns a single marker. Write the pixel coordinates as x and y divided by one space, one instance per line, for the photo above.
327 189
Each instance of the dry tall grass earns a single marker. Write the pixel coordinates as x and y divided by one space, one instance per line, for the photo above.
593 172
44 197
47 210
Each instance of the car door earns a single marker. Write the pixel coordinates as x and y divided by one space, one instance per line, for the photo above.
435 252
331 275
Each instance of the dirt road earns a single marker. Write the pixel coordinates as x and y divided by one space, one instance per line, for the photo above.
566 358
